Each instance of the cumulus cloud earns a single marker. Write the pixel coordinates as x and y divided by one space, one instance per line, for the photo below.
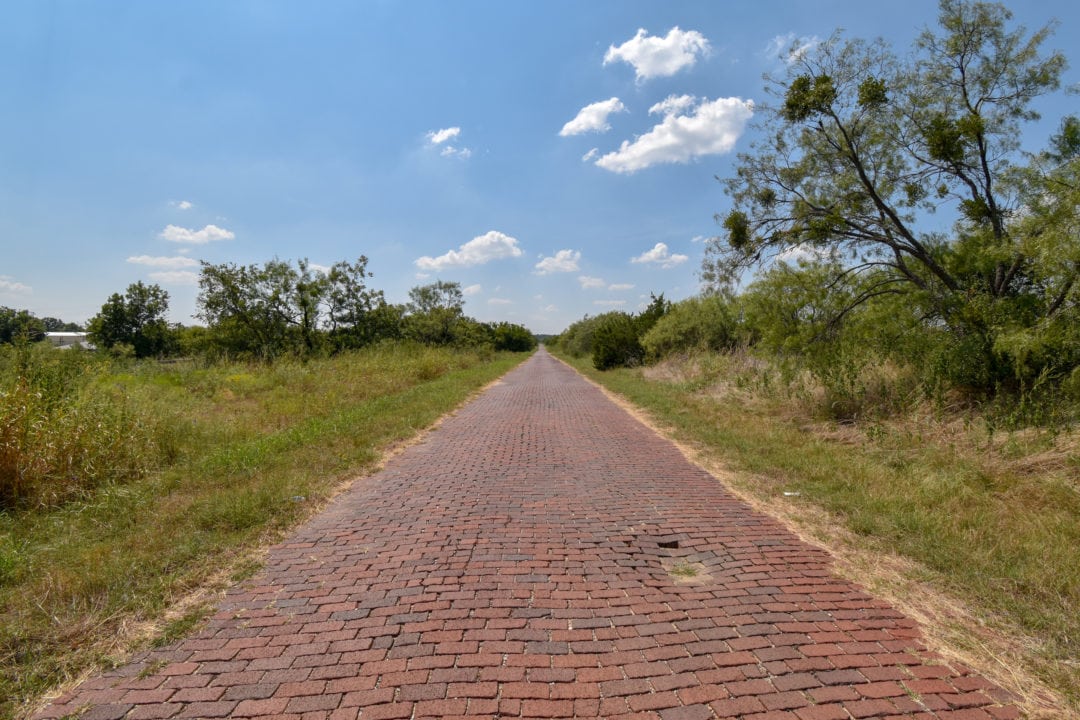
176 277
660 255
593 118
324 269
609 303
589 283
438 137
210 233
803 253
8 284
182 204
709 128
620 286
562 261
654 56
173 263
492 245
471 290
790 47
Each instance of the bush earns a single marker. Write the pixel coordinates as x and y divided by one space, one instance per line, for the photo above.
698 323
615 342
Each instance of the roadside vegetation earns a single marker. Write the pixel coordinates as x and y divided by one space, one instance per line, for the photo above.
137 475
879 376
130 484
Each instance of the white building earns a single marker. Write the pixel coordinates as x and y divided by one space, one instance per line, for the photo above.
64 340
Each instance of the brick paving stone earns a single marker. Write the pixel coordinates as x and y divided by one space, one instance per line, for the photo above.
515 563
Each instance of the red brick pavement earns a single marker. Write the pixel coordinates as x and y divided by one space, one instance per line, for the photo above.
515 564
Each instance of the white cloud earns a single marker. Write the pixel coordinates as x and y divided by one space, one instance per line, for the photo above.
609 303
593 118
422 275
803 252
654 56
672 105
451 151
588 283
712 128
438 137
176 277
700 239
620 286
210 233
492 245
660 255
549 309
562 261
182 204
500 301
590 155
471 290
163 262
9 285
324 269
790 48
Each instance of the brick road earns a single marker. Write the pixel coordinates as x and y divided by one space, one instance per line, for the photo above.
543 555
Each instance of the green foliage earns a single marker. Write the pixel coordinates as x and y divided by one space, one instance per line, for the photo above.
864 148
699 323
20 325
513 338
615 342
134 320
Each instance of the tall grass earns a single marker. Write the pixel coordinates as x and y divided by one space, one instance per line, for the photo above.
988 517
230 455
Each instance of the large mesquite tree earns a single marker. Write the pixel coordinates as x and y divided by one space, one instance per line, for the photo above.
863 153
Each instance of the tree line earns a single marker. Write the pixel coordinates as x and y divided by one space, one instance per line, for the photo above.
279 308
837 249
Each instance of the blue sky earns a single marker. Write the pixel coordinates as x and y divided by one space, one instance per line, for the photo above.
556 158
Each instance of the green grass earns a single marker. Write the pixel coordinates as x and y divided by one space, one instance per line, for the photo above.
241 454
1000 534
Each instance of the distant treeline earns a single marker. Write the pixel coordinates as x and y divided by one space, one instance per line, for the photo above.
278 308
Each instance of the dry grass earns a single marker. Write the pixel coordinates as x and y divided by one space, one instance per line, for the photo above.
970 532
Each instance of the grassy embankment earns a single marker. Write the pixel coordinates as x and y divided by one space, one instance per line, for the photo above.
210 463
976 534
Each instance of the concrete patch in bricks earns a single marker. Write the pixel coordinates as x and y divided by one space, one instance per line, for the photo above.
543 554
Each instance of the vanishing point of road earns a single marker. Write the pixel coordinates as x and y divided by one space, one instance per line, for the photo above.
542 554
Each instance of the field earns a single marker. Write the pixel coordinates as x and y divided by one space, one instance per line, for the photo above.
974 532
144 488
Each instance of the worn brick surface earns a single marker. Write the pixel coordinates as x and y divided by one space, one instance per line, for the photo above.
516 564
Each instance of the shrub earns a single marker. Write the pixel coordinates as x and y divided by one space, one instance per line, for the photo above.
698 323
615 342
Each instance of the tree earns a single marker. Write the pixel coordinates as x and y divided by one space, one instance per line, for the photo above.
356 314
135 319
435 312
19 325
863 146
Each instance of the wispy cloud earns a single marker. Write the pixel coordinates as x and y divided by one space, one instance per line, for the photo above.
176 277
590 155
620 286
609 303
173 263
711 128
660 255
186 236
654 56
472 290
9 285
562 261
500 301
182 204
790 48
591 283
593 118
492 245
437 138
